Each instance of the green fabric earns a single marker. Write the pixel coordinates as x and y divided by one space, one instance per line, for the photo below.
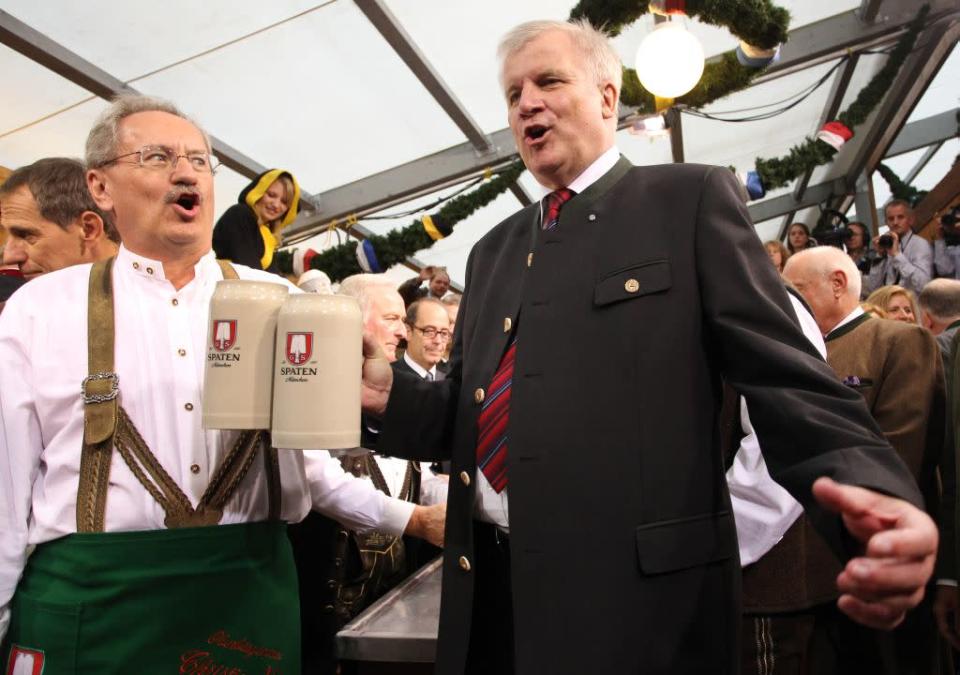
219 599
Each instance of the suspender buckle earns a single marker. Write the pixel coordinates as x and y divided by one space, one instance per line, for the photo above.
89 397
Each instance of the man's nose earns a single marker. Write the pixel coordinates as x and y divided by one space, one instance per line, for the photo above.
14 253
183 171
530 100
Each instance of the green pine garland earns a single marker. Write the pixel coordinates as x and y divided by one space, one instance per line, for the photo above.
757 22
898 188
811 153
339 262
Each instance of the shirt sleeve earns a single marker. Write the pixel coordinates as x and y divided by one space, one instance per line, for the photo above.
916 269
943 262
433 488
353 502
21 445
763 510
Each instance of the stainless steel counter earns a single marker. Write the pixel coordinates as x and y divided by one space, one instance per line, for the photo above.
400 627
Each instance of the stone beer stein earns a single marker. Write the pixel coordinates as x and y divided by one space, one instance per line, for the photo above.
237 388
316 387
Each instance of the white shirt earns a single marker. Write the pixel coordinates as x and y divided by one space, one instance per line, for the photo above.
418 369
762 509
489 506
43 359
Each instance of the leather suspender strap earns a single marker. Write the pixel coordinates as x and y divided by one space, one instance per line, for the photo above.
106 425
100 389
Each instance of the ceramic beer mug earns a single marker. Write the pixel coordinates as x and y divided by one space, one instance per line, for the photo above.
316 388
237 388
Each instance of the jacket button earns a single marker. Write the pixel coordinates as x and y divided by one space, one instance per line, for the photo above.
529 259
465 478
592 217
507 324
478 395
632 286
464 563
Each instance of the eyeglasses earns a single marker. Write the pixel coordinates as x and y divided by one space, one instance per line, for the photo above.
430 332
162 158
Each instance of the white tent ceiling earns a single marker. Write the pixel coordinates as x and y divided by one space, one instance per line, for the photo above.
316 89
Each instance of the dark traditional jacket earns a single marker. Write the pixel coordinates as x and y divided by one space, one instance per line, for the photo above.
652 285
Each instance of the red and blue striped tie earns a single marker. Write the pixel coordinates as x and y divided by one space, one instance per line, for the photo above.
492 422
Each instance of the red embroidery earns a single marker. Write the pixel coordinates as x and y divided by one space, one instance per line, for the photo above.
199 662
222 639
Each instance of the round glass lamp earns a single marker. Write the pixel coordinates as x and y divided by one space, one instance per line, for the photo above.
669 60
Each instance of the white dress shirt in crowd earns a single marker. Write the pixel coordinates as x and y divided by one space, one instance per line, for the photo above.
912 268
420 370
946 259
160 348
762 509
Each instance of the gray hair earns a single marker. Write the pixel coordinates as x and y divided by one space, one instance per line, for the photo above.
359 286
601 60
941 299
822 261
104 138
59 187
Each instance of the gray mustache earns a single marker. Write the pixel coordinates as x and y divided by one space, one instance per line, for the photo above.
178 192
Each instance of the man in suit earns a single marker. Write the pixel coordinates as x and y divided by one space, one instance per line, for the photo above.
790 594
428 332
615 551
439 283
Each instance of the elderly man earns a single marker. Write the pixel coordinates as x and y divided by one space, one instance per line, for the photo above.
908 259
428 333
342 571
617 552
439 284
51 220
896 368
84 538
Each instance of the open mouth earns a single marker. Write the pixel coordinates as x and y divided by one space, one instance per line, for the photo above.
187 204
534 133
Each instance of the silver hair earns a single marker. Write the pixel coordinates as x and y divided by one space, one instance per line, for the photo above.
822 261
601 59
941 299
359 286
103 140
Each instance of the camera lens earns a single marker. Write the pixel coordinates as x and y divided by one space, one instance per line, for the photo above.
885 241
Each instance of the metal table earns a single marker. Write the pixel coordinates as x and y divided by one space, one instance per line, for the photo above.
400 627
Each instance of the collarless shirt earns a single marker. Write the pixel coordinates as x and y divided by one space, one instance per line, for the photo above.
160 349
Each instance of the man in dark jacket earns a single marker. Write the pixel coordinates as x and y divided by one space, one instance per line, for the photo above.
615 551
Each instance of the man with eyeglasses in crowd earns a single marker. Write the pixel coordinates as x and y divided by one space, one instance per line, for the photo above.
428 334
131 537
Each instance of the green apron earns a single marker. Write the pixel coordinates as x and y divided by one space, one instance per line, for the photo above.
211 600
214 600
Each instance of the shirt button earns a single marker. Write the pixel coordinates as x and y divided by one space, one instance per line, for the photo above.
182 352
464 563
175 302
194 468
507 323
149 270
478 395
632 286
188 407
465 478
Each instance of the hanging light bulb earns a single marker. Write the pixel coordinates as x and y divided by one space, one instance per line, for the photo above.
669 60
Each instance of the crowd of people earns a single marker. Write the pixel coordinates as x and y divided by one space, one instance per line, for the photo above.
613 425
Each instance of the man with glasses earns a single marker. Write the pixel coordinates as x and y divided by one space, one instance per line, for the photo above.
129 535
428 326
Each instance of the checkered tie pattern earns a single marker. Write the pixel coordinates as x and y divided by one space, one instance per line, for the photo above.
553 202
492 422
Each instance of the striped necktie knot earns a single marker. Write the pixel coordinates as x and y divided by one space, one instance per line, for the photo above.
553 202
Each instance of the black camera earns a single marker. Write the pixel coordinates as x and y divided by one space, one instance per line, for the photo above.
885 241
831 229
948 221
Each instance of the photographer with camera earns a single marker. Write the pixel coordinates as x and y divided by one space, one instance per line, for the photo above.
904 258
946 246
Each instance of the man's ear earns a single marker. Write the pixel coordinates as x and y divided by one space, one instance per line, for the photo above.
926 320
838 282
611 98
91 227
97 184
